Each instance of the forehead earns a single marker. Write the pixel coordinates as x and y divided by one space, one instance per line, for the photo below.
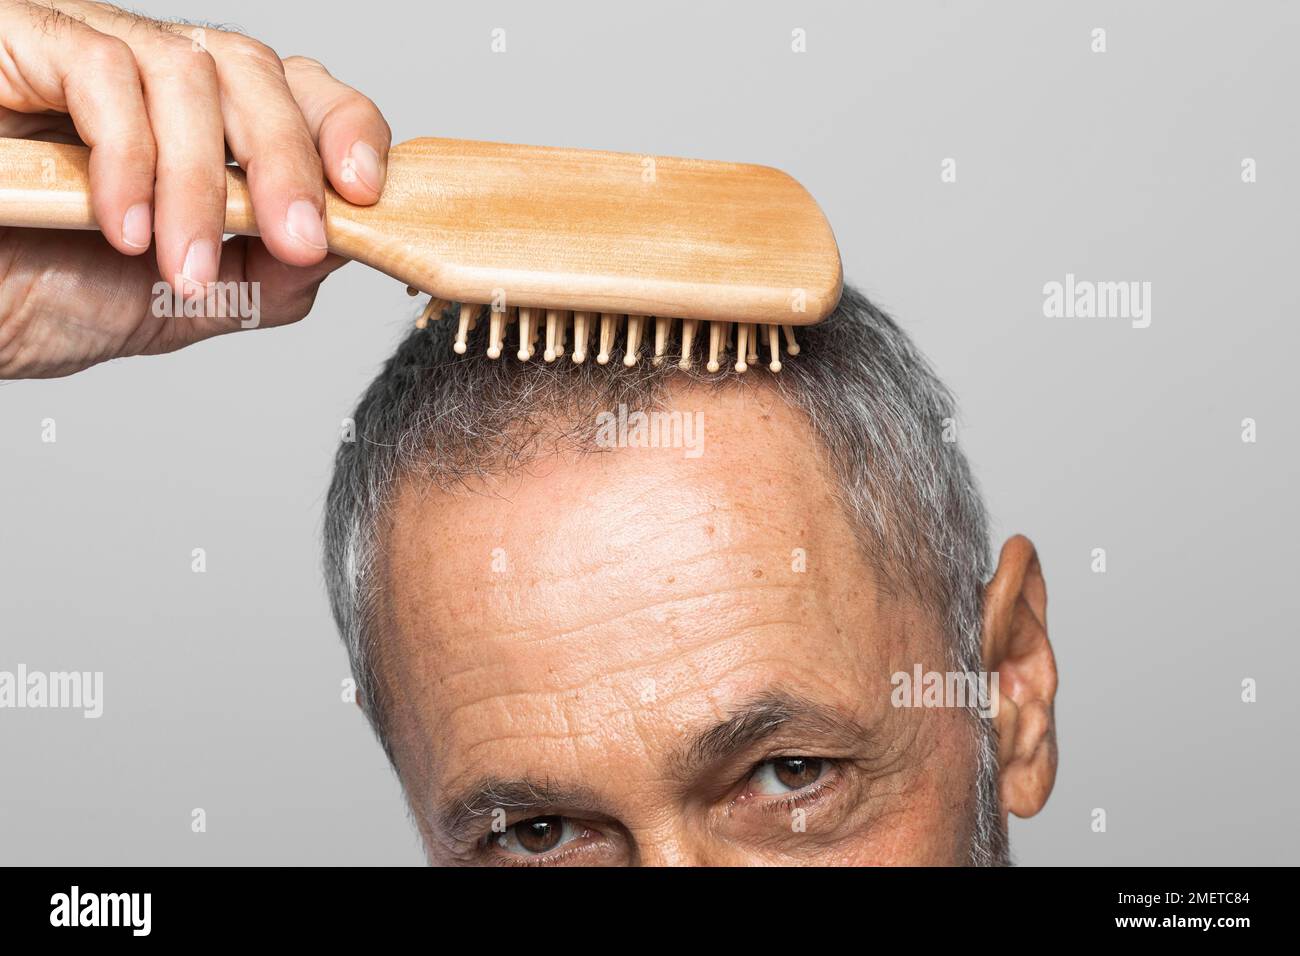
616 601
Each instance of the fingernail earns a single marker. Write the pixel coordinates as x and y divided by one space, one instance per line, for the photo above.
201 264
137 226
304 223
365 161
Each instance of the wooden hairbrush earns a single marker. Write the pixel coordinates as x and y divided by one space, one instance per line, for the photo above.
572 241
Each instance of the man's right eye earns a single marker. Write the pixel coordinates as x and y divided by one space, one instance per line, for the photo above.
539 835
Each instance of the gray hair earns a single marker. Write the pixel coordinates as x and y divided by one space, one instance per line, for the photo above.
882 418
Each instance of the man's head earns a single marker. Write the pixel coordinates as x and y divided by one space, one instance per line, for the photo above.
604 615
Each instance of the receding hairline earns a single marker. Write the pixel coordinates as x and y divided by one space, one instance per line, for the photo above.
874 407
411 489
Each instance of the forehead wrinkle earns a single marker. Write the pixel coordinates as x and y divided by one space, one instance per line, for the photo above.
734 625
628 613
697 521
734 639
640 638
709 591
609 711
535 591
609 678
709 587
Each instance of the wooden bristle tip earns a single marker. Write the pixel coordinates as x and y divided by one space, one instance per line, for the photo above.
688 342
525 335
634 325
462 329
581 329
791 343
607 320
715 343
662 325
496 333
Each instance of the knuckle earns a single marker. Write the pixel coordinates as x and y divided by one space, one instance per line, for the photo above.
304 63
183 57
210 199
348 105
291 164
104 52
254 51
143 151
308 176
354 106
194 173
138 155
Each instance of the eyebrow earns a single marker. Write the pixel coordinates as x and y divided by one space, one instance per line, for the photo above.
462 818
759 719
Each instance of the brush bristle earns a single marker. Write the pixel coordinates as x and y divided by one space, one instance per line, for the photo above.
617 337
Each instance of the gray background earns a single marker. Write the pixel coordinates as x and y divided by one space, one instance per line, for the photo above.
223 689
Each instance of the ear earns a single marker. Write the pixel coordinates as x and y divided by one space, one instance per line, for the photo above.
1017 650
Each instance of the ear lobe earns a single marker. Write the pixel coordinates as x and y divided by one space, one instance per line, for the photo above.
1016 648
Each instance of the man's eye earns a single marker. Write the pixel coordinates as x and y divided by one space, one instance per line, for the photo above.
786 774
538 835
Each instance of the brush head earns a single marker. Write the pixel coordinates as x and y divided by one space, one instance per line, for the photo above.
595 232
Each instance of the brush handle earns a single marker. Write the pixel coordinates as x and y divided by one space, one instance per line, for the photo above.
47 186
557 229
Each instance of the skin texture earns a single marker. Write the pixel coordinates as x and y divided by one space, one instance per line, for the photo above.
159 104
640 599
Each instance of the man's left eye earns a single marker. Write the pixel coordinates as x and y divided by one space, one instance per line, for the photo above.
783 775
538 835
